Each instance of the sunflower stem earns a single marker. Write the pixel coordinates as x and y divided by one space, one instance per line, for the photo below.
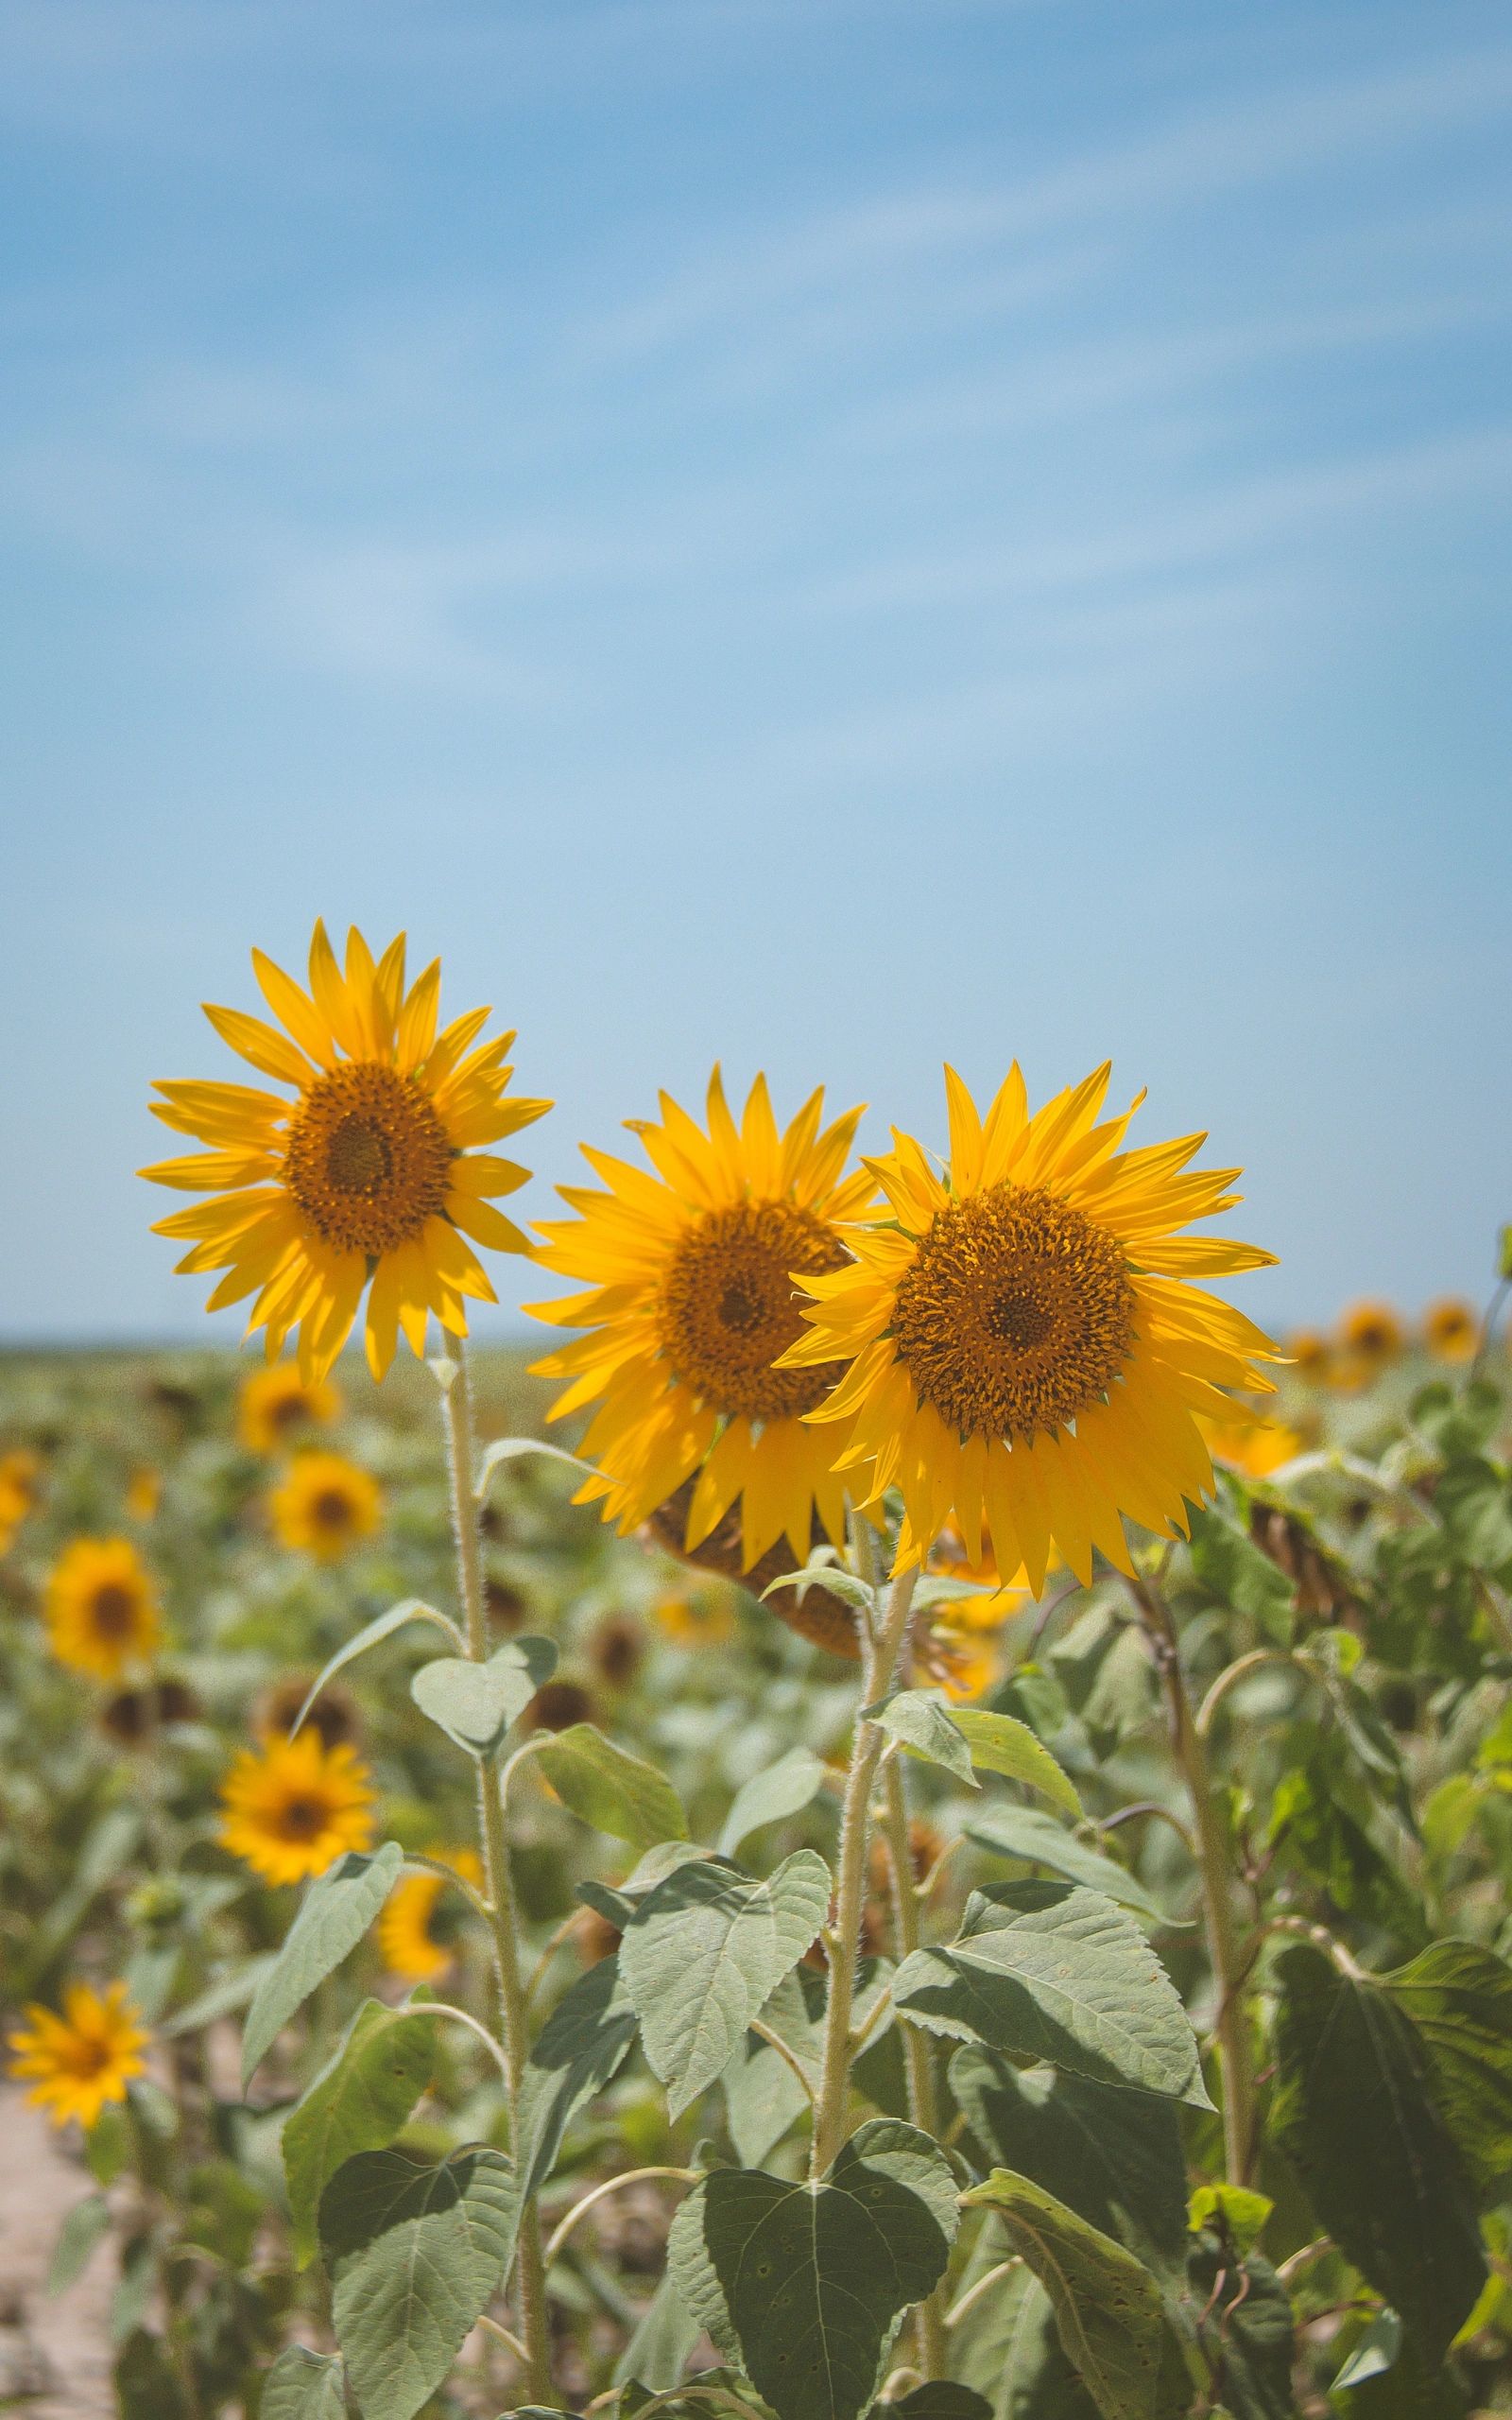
1210 1840
457 1410
879 1659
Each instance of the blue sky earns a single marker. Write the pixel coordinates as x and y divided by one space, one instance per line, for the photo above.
831 535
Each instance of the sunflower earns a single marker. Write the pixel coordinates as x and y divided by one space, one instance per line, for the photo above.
1311 1355
293 1805
102 1608
704 1619
143 1493
407 1943
691 1299
1251 1445
272 1404
370 1171
1452 1329
325 1505
1023 1345
83 2060
1371 1335
20 1486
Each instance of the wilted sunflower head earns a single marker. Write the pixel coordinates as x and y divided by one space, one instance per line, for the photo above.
324 1506
370 1170
78 2063
274 1404
1452 1329
690 1269
417 1934
101 1608
1021 1342
292 1806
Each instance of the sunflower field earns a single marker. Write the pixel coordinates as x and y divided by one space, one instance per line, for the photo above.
910 1811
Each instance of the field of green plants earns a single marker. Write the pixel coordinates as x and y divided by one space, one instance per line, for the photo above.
1183 1927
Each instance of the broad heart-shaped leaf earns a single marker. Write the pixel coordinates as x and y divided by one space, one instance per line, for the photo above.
611 1789
806 2285
783 1789
700 1954
1035 1838
1112 2157
1074 1983
999 1743
1354 2113
303 2386
413 1609
357 2102
920 1720
413 2255
1108 2307
1244 2325
1459 1997
336 1912
476 1703
581 2045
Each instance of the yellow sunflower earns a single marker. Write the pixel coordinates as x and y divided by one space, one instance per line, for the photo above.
408 1943
101 1608
273 1403
1022 1341
1250 1444
1452 1329
143 1493
325 1505
689 1271
293 1805
83 2060
706 1618
372 1170
20 1486
1311 1355
1372 1334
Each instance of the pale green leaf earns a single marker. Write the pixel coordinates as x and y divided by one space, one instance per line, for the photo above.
999 1743
779 1791
476 1703
87 2222
303 2386
921 1722
336 1912
610 1788
383 1626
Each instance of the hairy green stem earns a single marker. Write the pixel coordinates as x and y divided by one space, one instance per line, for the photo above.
457 1402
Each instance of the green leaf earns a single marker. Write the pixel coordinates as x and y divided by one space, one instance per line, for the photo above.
1232 1568
476 1703
942 2399
147 2385
611 1789
656 2353
1029 1833
1008 2346
1474 1504
1245 2330
81 2230
1458 1419
224 1998
830 1576
763 2100
779 1791
702 1952
513 1449
1107 2306
1074 1983
336 1912
1354 2113
357 2102
1112 2157
303 2386
1236 2216
1459 1997
581 2047
920 1720
415 2253
1001 1744
413 1609
805 2285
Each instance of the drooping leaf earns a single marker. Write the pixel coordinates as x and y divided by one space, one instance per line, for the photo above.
806 2285
515 1449
580 2049
1035 1838
1112 2157
303 2386
1072 1982
1008 2346
779 1791
999 1743
413 2254
658 2350
413 1609
87 2222
1458 1995
701 1954
476 1704
357 2102
1244 2326
611 1789
1354 2113
1108 2307
336 1911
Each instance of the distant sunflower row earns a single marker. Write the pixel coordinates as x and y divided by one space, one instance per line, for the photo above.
1371 1336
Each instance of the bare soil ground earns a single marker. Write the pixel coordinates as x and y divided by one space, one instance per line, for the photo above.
54 2357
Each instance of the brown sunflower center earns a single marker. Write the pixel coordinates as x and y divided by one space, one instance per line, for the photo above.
1016 1314
368 1160
113 1611
303 1817
333 1508
728 1307
86 2056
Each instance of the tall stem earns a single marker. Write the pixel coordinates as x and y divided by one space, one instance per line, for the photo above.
457 1402
1211 1845
879 1658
